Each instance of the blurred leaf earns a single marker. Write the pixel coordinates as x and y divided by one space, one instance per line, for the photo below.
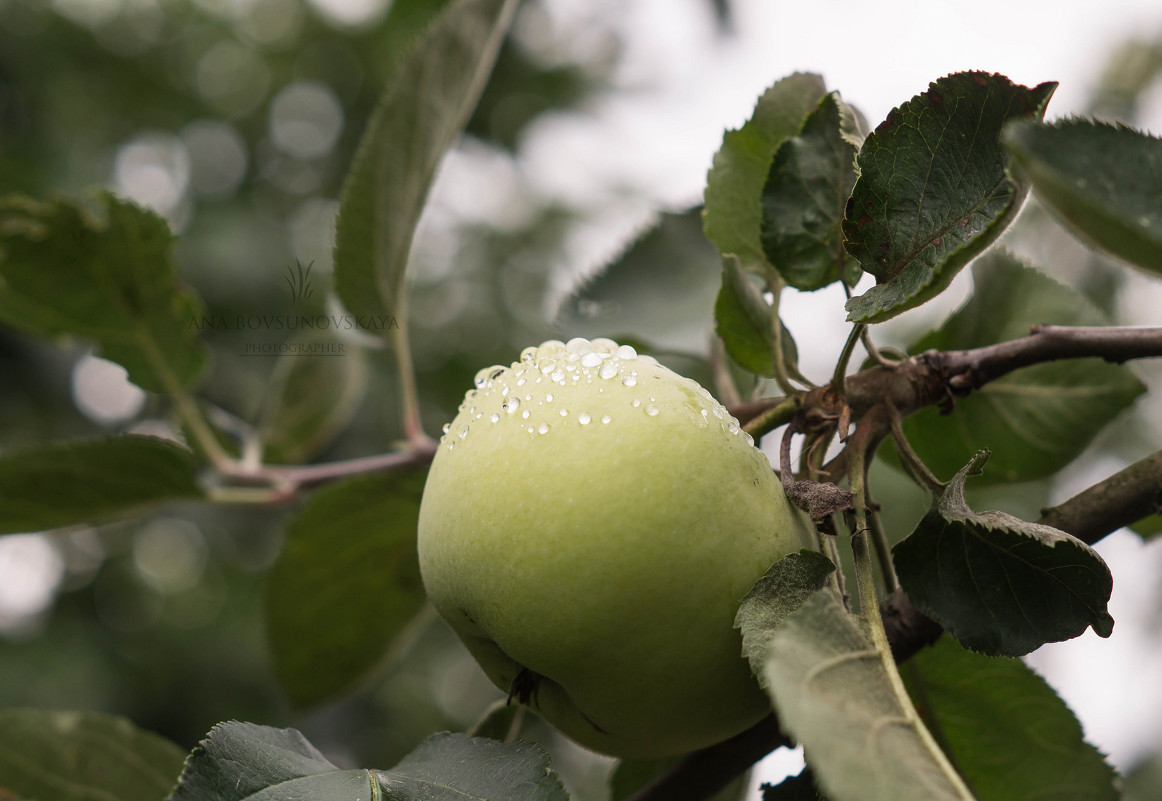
630 775
1143 782
1010 735
81 756
833 694
775 597
423 111
1148 528
1000 585
345 584
733 215
1037 419
501 721
63 272
91 481
1105 181
312 396
745 322
660 290
933 191
810 179
244 761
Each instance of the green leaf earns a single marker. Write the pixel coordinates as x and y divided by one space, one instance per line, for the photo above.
1104 181
453 767
1000 585
1010 735
661 289
1035 420
312 396
81 756
91 481
431 96
832 692
745 322
810 179
732 218
933 190
1148 528
775 597
245 761
346 583
64 272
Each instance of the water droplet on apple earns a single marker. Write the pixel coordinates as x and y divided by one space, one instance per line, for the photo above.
629 381
543 428
606 419
635 403
584 418
626 352
608 370
494 417
525 414
510 404
652 410
591 360
463 432
447 427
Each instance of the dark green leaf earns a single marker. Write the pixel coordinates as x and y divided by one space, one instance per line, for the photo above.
745 323
1104 180
345 584
1000 585
933 190
733 218
810 179
311 398
63 272
1010 735
1035 420
90 481
833 693
82 756
431 96
247 762
660 290
789 582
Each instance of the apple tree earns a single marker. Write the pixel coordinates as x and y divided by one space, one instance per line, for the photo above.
886 642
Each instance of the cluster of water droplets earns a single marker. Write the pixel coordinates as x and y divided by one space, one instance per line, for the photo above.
526 386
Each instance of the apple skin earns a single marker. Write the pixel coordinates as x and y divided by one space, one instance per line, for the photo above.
596 519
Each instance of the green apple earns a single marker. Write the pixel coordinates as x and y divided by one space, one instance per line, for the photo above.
589 526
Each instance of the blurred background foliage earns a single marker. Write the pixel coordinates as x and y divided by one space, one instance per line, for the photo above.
237 120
